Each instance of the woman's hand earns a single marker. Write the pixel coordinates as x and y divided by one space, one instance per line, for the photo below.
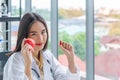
27 51
69 52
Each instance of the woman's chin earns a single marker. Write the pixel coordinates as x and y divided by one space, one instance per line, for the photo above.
38 48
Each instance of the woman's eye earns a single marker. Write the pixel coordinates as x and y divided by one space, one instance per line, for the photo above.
43 32
33 34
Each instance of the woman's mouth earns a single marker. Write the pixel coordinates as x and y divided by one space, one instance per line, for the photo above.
38 44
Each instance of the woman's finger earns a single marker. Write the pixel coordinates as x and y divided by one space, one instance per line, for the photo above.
62 45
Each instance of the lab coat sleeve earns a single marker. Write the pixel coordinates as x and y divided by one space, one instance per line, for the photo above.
14 68
73 76
62 73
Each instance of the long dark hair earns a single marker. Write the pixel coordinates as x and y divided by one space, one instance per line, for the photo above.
24 27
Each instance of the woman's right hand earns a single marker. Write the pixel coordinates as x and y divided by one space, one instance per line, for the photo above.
27 51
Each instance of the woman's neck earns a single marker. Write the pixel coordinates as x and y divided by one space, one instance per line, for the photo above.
36 54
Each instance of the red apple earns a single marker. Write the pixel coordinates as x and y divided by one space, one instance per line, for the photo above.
30 42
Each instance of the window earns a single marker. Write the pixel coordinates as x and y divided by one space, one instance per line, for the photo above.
8 30
72 29
107 38
15 11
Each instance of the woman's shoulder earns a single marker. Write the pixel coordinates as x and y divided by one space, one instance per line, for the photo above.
47 53
16 56
14 60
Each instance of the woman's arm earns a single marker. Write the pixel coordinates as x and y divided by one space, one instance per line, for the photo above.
61 72
28 72
14 68
69 52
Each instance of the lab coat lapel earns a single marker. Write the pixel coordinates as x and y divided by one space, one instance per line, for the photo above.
35 67
48 75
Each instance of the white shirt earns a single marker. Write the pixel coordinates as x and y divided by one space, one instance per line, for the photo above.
53 70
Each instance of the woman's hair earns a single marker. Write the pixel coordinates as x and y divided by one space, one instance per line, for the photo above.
24 27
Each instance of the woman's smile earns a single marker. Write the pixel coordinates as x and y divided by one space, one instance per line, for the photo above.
39 44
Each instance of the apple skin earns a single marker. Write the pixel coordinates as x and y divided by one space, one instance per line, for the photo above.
30 42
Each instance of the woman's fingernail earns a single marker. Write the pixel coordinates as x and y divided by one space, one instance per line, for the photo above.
60 42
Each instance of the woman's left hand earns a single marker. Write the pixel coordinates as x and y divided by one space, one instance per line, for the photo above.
69 52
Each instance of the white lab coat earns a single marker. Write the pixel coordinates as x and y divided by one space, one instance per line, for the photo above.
14 69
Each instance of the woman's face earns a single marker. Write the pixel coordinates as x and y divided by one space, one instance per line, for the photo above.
39 34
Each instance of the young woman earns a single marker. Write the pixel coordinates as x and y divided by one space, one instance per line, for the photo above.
38 63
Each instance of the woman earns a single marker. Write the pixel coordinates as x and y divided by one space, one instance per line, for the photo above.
38 63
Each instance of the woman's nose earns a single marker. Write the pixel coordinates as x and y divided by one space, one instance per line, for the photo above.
40 37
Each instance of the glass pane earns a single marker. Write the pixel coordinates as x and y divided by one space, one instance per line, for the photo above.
15 8
8 35
107 39
3 40
14 31
44 11
15 12
71 29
